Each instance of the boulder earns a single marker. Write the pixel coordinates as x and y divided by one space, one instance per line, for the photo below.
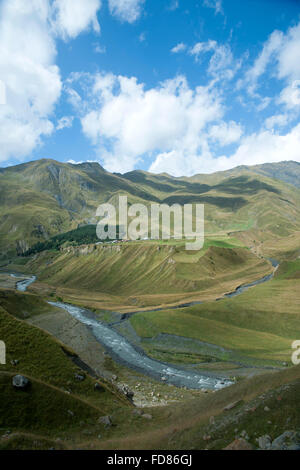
106 420
79 377
20 382
98 387
264 442
289 440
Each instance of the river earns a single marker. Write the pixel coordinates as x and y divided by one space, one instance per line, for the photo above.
124 352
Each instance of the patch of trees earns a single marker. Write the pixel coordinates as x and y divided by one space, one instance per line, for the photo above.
81 236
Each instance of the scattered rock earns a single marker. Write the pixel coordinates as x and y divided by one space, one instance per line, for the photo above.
206 438
289 440
212 420
266 408
79 377
244 435
14 362
164 379
137 412
106 420
70 413
98 387
239 444
20 382
264 442
147 416
114 377
123 388
232 405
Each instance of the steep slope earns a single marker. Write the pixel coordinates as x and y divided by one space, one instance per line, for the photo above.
42 198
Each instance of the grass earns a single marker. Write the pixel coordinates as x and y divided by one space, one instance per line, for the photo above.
44 358
132 276
261 323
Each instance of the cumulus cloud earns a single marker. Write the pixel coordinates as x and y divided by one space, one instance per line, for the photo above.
32 80
226 133
71 17
126 10
258 148
130 122
278 120
265 146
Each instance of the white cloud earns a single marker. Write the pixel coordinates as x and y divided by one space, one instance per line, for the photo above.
215 4
173 5
71 17
130 122
31 78
281 52
258 148
65 122
278 120
179 48
270 48
221 64
226 133
126 10
142 37
290 96
265 146
99 49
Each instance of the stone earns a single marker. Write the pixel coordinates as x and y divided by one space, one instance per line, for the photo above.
20 382
70 413
106 420
79 377
264 442
137 412
266 408
239 444
147 416
286 440
232 405
98 387
123 388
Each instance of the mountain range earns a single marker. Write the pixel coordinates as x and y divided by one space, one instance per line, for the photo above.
42 198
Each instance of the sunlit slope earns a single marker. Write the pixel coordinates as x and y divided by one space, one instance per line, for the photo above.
159 273
262 323
42 198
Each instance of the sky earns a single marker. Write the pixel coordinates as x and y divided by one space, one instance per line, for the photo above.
167 86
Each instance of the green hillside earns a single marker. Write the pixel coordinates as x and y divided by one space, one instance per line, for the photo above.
44 198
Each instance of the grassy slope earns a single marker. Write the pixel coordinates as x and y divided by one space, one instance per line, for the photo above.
41 414
42 198
262 323
144 274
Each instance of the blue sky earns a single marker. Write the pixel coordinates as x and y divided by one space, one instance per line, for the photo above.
184 87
